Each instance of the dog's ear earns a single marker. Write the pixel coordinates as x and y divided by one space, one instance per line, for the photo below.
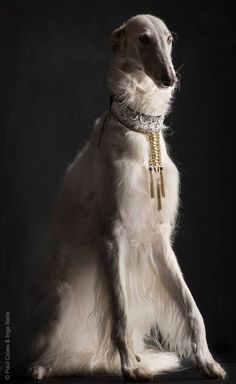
118 40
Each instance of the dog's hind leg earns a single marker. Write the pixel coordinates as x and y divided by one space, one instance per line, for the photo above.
173 280
45 321
113 248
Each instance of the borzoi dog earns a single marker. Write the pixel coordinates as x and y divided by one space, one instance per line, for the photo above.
113 299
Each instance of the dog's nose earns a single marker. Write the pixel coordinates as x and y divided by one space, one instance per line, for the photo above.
167 80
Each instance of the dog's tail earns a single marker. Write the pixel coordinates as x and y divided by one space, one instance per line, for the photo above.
160 362
156 363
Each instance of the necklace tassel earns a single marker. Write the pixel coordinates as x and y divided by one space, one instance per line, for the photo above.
151 183
162 182
159 205
155 164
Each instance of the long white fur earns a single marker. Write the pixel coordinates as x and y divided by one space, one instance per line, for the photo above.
74 335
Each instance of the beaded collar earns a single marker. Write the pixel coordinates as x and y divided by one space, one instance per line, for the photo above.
135 120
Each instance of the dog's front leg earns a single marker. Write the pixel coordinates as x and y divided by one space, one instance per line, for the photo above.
173 280
114 251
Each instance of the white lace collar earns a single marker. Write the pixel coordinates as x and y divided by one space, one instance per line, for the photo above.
135 120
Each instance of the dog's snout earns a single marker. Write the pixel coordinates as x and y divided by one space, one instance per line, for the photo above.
167 80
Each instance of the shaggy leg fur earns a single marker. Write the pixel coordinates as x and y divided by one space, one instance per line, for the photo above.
112 249
174 282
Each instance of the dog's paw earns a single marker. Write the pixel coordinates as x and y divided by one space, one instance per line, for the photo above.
142 374
213 370
207 365
36 372
136 374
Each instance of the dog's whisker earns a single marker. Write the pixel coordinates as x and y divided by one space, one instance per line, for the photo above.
181 66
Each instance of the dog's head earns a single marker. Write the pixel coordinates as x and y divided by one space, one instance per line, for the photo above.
145 43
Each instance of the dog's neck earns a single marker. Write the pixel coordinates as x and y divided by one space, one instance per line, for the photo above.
138 91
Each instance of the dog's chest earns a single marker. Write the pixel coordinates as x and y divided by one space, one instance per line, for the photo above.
137 208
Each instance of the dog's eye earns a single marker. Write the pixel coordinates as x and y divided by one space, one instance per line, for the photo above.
145 39
169 39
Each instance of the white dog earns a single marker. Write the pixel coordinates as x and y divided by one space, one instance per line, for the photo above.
113 298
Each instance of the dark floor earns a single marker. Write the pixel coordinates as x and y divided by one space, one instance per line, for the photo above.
186 377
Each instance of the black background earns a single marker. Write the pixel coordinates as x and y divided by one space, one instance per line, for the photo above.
54 57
